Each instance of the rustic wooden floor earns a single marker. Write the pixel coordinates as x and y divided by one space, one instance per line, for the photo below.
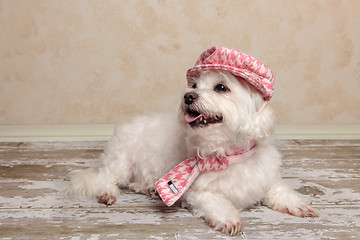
32 205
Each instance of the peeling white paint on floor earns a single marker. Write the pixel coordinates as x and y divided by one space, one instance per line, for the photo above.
34 176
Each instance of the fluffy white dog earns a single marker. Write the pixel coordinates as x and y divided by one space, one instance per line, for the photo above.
224 110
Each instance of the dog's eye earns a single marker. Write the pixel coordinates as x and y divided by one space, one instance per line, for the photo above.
194 85
221 88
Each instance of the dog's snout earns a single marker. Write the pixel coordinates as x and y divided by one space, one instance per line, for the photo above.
190 97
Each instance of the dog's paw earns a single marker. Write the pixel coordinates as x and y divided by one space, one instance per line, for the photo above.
152 192
282 199
106 199
231 226
302 211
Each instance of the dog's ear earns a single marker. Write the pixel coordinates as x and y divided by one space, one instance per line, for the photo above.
258 116
262 124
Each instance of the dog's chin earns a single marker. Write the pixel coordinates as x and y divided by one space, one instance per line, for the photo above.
197 119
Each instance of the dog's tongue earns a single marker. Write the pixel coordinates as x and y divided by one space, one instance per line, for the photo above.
190 118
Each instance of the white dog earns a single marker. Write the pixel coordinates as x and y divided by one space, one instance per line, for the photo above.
223 114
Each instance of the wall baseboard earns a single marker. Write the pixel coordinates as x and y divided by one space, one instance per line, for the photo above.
317 131
104 132
56 133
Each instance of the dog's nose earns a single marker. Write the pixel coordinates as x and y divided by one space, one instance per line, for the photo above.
190 97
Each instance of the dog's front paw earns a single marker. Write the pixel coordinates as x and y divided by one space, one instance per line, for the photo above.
106 199
230 226
152 192
302 211
281 198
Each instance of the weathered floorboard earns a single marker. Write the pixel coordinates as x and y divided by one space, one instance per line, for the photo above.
32 206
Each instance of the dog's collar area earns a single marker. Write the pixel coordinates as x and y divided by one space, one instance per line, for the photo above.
236 153
240 150
173 185
243 154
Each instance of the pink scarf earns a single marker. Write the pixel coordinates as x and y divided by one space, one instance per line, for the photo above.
174 184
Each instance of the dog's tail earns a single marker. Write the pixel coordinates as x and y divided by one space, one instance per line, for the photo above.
84 184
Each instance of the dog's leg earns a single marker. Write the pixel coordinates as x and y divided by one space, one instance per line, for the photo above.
281 198
115 173
108 190
103 182
93 182
217 211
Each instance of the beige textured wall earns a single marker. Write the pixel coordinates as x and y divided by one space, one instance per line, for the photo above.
97 61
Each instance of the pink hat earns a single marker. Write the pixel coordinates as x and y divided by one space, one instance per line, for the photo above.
239 64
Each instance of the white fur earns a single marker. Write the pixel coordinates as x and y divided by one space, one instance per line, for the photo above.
144 150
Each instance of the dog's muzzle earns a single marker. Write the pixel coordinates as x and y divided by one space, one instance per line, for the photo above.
194 116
